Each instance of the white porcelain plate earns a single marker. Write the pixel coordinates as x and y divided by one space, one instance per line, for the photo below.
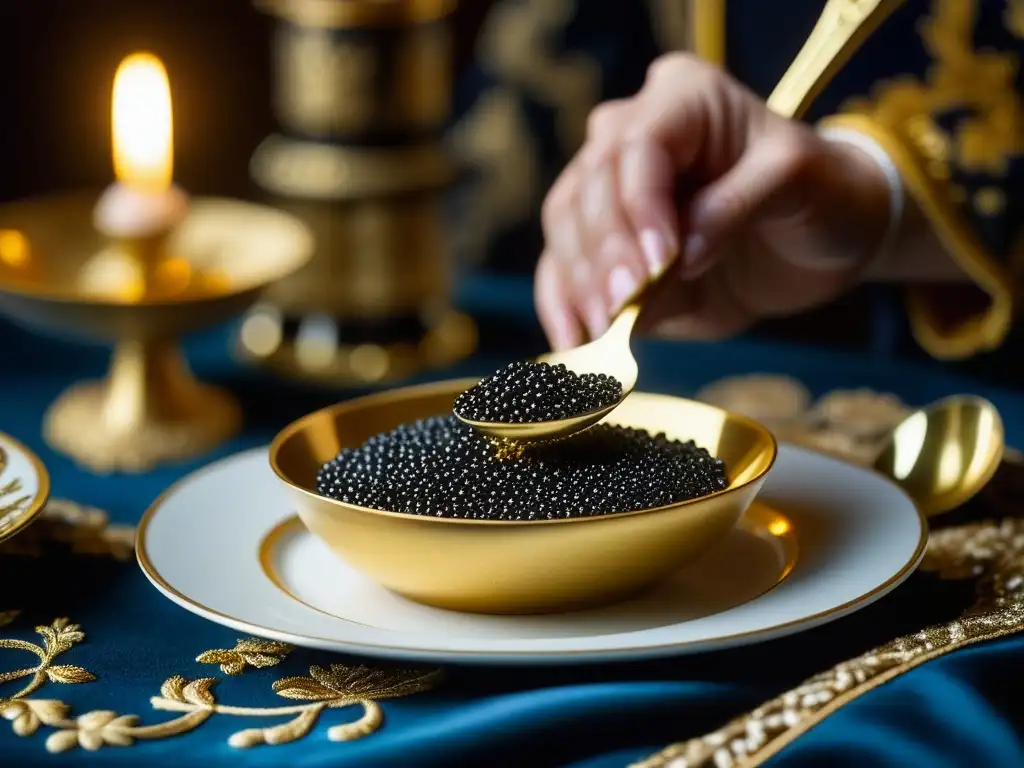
24 486
824 539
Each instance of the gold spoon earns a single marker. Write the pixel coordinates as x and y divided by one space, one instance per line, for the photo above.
841 28
943 454
609 354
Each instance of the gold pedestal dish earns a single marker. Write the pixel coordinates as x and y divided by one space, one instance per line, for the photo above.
519 567
57 273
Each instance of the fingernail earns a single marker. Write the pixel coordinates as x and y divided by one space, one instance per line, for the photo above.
695 249
622 285
655 251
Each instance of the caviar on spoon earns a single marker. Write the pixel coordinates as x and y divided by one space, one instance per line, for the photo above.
588 383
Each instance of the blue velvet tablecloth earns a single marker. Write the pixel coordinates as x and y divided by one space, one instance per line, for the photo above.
963 709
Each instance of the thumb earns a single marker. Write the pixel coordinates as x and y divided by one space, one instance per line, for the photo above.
735 198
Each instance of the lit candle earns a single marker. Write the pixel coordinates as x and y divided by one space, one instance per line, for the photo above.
143 202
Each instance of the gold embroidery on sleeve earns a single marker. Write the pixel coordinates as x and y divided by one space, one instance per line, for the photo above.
900 116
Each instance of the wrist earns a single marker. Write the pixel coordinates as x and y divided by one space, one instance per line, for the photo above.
870 199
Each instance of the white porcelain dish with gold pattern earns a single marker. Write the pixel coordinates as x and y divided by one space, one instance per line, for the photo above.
24 486
824 539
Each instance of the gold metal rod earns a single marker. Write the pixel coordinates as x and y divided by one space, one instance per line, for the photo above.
708 18
843 27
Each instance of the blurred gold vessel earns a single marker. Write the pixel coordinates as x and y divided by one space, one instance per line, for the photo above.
505 567
362 93
57 273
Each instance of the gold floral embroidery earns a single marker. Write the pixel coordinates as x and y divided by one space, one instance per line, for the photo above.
25 714
335 687
82 530
249 652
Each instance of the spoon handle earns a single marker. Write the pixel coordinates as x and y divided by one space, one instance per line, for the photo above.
842 28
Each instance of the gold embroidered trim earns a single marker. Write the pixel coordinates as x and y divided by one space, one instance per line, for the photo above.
899 117
983 332
992 551
334 687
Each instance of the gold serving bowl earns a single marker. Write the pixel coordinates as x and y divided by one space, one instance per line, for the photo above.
519 567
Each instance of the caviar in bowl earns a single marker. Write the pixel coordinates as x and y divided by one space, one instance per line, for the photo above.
519 566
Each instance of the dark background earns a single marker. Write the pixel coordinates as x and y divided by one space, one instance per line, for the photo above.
59 58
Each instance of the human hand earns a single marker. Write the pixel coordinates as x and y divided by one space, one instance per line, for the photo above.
767 217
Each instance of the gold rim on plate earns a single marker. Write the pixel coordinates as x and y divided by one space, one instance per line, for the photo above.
21 519
648 651
760 520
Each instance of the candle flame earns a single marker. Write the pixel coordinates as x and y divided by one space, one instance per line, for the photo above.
143 140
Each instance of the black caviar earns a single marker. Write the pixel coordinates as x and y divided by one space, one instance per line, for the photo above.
442 468
527 392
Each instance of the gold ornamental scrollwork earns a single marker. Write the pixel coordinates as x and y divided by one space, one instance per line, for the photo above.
355 14
355 84
327 172
324 86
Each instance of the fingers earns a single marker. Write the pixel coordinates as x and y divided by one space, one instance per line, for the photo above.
705 309
733 200
585 231
647 188
554 307
617 266
611 221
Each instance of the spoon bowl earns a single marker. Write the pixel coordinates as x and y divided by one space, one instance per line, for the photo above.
942 455
610 354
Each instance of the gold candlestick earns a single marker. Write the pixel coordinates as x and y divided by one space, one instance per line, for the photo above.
139 265
58 273
362 94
